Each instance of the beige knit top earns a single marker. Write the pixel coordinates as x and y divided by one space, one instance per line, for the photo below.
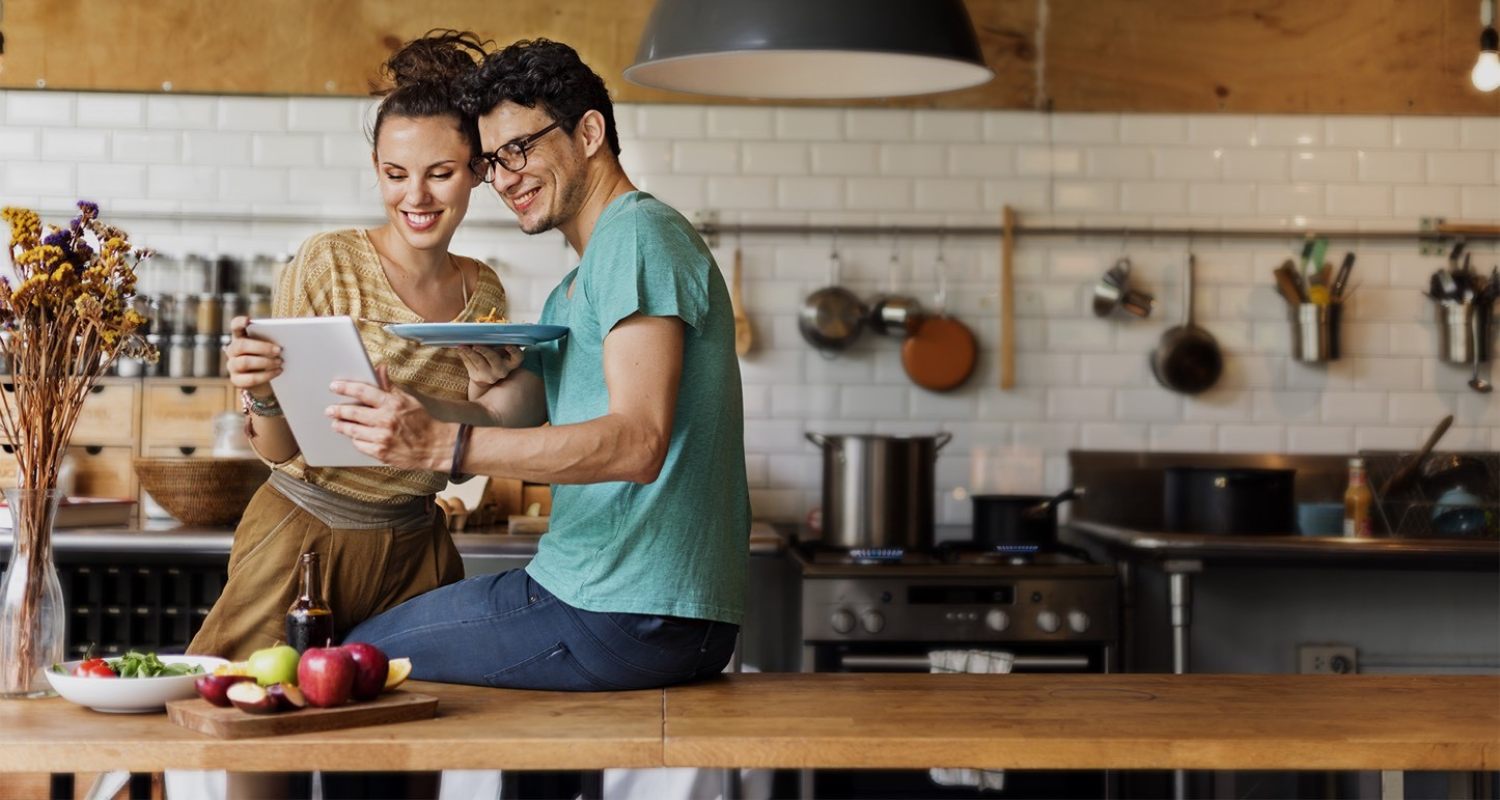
339 273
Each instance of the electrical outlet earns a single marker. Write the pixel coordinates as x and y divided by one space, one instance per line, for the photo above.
1327 659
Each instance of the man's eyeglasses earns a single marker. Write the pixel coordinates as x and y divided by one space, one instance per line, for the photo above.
511 155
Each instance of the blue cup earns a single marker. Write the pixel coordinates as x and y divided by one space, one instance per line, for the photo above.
1320 519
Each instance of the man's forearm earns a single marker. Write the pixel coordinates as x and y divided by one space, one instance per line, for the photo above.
605 449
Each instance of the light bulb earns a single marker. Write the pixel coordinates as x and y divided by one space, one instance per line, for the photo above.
1486 74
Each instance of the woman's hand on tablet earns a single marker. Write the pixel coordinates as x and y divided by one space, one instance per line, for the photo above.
488 366
391 425
252 362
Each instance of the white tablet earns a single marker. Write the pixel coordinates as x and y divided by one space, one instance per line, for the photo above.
316 351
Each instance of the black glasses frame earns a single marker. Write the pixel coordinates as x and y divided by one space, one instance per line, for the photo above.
511 156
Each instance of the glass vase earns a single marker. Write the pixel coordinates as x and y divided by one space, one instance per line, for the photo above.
31 601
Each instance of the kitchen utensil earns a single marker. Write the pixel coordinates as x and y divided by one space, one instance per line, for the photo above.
878 490
941 355
1002 520
1229 500
1007 298
1289 284
490 334
1447 471
231 723
1187 359
1315 332
1459 513
132 695
1113 291
1464 331
832 317
1477 383
744 336
897 316
1403 476
1342 278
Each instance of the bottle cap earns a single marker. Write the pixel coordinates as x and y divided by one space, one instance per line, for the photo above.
1356 462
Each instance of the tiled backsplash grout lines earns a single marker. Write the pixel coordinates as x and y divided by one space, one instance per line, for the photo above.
1083 382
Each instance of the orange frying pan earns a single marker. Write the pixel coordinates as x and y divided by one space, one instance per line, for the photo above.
940 356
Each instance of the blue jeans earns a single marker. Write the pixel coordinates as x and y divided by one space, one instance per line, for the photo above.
506 630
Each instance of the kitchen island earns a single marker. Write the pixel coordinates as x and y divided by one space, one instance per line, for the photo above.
1121 722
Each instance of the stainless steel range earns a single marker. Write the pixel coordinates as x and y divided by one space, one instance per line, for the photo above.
885 611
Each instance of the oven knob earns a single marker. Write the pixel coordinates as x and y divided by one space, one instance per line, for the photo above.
842 621
873 621
1048 621
996 620
1078 621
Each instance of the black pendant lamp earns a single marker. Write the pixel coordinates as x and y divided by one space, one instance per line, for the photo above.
809 49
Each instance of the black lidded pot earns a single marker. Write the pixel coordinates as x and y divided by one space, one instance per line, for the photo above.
1229 500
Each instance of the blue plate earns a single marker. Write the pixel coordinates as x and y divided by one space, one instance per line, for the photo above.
449 334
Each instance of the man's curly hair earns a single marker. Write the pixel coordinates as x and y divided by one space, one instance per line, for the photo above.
540 72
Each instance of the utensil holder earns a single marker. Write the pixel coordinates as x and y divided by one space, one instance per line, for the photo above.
1315 332
1456 322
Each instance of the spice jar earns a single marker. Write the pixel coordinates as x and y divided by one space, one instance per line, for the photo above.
185 313
229 308
208 317
166 317
180 356
260 305
154 370
205 356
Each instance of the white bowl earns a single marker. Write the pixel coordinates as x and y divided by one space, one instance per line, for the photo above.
130 695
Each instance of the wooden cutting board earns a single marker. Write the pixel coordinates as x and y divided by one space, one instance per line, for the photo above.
231 723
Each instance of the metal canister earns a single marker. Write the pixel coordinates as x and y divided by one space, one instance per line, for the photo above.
180 356
184 313
208 316
205 355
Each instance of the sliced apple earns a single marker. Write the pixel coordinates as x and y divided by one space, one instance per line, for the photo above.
252 698
399 671
287 696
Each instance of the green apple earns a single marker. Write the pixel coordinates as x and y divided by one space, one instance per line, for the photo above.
274 665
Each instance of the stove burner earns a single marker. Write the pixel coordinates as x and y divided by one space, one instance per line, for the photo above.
877 555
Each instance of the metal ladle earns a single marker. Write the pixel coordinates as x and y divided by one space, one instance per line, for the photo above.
1477 383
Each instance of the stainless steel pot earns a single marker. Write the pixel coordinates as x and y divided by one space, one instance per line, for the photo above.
878 490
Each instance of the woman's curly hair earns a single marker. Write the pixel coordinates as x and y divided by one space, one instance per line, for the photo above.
540 72
425 77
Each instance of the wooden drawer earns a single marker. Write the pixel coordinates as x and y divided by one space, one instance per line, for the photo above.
105 471
108 415
175 415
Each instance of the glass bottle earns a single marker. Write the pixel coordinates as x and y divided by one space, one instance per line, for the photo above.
309 622
1357 500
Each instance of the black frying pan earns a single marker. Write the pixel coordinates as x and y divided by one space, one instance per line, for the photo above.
1187 359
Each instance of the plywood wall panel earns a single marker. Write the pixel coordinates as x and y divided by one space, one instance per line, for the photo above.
1239 56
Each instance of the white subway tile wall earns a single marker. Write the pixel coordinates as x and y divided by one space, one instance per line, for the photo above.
1082 381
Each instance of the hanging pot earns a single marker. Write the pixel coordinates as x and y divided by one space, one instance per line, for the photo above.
878 490
894 315
831 318
1188 359
941 355
1011 519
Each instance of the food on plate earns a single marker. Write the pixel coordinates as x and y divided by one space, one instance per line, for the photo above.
251 697
133 664
274 665
326 676
491 316
215 688
371 668
400 670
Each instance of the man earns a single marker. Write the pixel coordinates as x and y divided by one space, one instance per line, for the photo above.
640 581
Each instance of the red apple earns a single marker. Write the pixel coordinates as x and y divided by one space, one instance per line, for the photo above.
326 676
287 696
251 697
371 668
213 688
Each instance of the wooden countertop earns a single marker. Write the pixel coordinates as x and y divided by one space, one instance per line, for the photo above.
1355 722
476 728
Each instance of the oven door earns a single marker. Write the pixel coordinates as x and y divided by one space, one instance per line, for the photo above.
904 784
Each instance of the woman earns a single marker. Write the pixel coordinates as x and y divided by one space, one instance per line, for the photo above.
380 536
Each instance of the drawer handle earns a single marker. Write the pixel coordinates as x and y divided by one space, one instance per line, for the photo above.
9 448
93 449
97 389
187 451
187 389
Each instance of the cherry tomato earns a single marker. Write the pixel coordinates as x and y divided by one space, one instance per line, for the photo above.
94 668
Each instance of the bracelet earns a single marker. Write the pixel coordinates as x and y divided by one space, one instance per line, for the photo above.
250 404
460 444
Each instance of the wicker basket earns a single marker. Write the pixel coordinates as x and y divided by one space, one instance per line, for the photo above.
202 491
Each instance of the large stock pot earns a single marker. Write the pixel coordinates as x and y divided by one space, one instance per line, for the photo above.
878 490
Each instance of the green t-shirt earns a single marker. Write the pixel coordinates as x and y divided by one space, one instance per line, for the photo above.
678 546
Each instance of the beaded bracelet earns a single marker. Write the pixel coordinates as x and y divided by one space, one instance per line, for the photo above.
250 404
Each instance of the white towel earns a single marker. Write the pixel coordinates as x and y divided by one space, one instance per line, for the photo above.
976 662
